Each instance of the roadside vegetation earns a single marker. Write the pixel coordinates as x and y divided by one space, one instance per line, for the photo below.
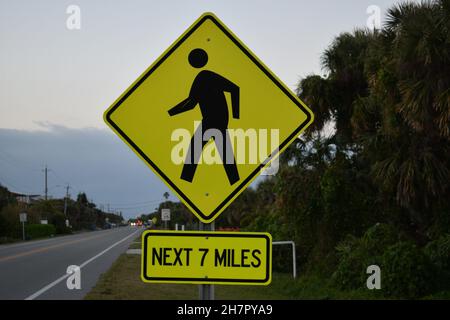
122 282
81 213
368 183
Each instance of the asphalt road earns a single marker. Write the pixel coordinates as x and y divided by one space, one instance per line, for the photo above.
38 269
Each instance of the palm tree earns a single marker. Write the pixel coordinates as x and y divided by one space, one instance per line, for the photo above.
404 123
331 98
388 93
419 37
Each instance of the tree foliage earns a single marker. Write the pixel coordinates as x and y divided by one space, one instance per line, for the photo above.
82 214
386 162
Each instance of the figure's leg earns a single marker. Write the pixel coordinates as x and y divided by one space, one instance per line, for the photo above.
228 160
193 155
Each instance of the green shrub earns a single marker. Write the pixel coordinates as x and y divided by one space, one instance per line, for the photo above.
379 237
438 252
59 221
350 270
34 231
63 230
3 226
356 254
10 226
406 272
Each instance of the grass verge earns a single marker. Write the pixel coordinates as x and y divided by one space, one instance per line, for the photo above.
122 282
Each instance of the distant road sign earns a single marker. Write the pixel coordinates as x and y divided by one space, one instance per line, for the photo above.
165 214
23 217
207 117
206 257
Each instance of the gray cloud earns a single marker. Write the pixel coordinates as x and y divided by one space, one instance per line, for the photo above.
91 160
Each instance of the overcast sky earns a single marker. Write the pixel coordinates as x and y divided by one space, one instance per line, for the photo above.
56 83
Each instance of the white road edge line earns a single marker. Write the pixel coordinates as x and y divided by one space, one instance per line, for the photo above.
34 243
54 283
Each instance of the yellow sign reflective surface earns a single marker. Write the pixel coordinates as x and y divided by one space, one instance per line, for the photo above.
206 257
208 85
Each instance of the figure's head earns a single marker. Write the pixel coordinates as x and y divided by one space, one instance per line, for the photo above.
198 58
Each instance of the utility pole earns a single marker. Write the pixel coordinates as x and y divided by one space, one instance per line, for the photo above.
46 185
66 199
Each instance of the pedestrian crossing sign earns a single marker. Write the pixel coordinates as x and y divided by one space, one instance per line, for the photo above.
208 117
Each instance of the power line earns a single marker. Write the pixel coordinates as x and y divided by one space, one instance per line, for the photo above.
137 207
7 183
10 160
6 160
58 177
66 182
133 203
8 157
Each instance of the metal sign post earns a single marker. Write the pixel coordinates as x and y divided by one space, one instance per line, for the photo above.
206 291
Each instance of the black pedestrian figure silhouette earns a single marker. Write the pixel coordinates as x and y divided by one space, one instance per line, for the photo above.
208 91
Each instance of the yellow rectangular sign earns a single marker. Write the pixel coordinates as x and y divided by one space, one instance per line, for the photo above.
206 257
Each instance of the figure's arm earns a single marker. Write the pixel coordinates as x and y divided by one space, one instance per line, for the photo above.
233 89
185 105
235 101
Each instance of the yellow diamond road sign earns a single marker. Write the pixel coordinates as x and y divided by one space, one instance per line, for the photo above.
207 116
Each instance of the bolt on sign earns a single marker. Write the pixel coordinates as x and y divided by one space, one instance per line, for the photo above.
206 257
207 117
